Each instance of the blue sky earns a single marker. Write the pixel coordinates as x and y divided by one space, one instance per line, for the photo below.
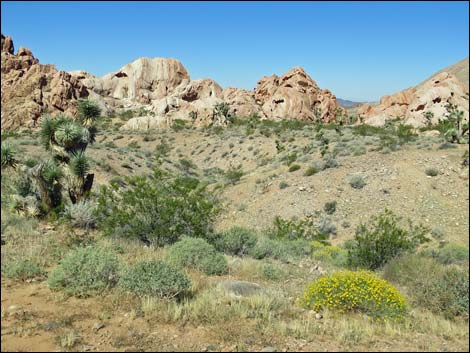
358 50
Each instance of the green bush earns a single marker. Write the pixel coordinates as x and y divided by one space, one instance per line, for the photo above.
280 249
330 207
349 291
453 253
357 181
155 278
85 271
236 241
431 285
286 229
432 171
233 175
157 209
335 255
283 185
23 270
383 239
199 254
294 167
311 170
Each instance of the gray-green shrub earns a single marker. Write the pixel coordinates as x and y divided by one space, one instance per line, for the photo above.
197 253
154 278
85 271
236 241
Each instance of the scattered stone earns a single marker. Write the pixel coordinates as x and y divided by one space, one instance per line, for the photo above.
318 316
268 349
98 326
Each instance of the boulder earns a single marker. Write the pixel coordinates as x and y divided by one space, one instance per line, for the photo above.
240 288
242 102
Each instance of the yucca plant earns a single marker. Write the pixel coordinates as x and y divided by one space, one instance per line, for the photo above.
48 177
8 156
79 182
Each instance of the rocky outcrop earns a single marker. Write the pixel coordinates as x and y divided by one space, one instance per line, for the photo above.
295 95
161 86
411 104
242 102
29 88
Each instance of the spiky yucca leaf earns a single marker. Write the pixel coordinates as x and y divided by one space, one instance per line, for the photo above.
50 172
88 111
48 126
79 164
8 156
68 134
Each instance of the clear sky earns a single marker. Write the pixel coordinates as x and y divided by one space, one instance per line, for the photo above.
358 50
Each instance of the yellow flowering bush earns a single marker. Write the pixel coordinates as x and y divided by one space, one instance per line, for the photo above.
357 291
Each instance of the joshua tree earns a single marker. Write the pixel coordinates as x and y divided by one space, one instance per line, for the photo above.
68 139
220 114
455 116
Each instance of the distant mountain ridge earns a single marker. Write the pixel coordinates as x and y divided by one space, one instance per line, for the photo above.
347 103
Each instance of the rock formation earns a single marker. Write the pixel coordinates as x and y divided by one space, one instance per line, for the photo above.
161 86
29 88
411 104
295 95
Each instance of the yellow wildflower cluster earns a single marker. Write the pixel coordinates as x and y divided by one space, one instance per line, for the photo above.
359 291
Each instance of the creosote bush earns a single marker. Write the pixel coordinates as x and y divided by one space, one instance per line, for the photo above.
236 241
199 254
383 239
85 271
156 209
155 278
350 291
453 253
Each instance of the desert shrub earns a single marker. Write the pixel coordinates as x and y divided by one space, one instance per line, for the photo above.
432 171
357 181
280 249
289 158
81 214
236 241
158 208
233 175
198 254
23 185
283 185
311 170
453 253
154 278
178 125
294 167
286 229
330 207
431 285
30 162
437 233
85 271
350 291
326 227
22 270
383 239
335 255
272 273
329 162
